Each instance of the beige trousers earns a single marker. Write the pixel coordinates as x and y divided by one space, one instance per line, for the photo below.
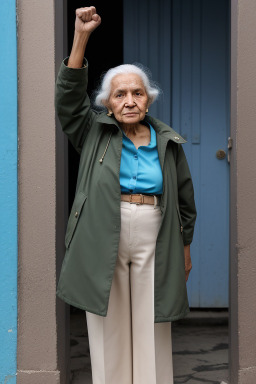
126 346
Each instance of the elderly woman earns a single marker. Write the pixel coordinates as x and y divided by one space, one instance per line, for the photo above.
131 224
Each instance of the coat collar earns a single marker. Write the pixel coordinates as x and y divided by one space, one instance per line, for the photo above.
164 130
161 128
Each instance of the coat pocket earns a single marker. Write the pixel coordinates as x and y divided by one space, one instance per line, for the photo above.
74 216
181 225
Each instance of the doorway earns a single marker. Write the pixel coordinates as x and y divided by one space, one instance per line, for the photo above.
186 46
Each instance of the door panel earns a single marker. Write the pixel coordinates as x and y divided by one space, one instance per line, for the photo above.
186 47
200 113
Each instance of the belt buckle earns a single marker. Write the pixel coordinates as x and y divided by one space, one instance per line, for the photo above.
137 203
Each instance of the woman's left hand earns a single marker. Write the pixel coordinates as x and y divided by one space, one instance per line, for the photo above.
188 263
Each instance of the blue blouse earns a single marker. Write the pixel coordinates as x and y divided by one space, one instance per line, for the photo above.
140 170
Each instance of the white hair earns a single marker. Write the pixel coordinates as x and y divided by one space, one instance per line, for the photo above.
103 92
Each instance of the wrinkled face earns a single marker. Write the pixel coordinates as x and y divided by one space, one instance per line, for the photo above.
128 99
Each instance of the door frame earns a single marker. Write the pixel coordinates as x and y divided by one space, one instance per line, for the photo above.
242 313
242 348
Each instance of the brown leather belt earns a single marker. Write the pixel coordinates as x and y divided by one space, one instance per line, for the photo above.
141 199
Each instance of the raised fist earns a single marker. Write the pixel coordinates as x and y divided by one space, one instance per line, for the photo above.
87 19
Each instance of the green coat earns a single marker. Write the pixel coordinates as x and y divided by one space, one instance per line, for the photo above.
93 229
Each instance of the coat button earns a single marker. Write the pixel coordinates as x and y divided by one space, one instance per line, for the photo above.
181 228
76 214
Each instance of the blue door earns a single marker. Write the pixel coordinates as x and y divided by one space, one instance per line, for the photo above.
185 43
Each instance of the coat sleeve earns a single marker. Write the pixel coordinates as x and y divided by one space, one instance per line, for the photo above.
73 104
185 196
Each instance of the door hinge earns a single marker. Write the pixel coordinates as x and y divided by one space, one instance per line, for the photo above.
230 145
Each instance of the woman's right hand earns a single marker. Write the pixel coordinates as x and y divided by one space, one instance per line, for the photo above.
87 20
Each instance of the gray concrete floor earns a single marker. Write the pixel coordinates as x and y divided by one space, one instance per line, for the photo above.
200 349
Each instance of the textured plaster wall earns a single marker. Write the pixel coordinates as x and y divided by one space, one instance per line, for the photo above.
8 192
243 193
246 183
37 328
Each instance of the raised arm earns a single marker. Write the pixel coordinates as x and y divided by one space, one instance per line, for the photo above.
86 22
71 99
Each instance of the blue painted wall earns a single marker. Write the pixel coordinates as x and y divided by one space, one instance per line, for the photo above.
8 192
